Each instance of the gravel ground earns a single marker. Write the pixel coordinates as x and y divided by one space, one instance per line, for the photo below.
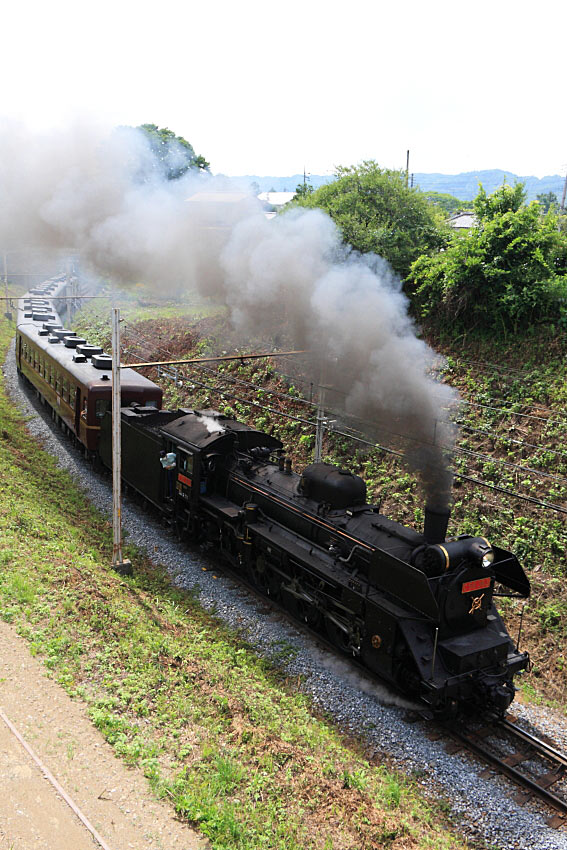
484 808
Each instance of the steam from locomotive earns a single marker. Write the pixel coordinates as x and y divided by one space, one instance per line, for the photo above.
99 194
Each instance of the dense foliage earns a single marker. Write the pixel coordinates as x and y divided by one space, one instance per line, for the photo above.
505 273
548 201
376 211
448 203
174 155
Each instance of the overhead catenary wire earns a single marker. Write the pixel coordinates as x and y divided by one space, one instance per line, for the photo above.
498 488
524 470
493 435
460 422
389 450
510 412
486 458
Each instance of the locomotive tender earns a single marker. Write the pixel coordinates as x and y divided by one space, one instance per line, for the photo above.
416 609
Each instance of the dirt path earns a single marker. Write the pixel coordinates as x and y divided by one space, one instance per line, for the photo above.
113 798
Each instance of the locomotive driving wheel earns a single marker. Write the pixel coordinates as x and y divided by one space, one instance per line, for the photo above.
262 576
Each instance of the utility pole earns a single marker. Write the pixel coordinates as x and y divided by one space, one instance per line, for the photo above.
562 207
319 432
407 169
124 567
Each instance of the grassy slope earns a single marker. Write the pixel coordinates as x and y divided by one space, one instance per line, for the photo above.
235 750
526 379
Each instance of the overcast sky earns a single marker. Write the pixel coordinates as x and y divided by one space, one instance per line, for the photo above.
270 88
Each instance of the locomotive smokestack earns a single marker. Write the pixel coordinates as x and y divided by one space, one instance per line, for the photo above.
435 524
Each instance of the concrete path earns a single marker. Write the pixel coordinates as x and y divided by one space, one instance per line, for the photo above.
115 800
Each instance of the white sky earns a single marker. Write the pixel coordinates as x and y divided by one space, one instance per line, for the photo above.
260 87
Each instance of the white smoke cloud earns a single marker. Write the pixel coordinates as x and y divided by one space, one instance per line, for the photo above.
100 194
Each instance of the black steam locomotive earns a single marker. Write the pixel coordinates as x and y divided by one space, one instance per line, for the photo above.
416 609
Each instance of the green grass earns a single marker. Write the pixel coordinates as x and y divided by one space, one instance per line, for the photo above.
233 748
139 303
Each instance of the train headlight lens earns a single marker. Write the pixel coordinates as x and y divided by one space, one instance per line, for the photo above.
488 558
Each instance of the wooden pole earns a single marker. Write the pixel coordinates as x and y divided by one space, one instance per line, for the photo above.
562 207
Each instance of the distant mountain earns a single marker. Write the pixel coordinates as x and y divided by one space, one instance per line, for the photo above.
463 186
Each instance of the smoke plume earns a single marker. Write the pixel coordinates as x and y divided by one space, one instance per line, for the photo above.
100 195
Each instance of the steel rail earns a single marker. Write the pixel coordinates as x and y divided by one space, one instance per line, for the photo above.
472 742
538 743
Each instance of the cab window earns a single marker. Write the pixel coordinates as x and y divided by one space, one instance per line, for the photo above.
185 463
101 406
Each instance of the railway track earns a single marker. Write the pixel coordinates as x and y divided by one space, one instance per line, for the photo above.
533 763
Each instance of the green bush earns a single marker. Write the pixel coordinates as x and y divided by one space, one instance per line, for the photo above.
506 273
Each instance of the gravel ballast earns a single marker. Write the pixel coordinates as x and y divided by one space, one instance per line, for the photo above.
485 807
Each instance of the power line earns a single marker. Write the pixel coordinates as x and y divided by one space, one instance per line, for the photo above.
495 436
530 499
508 411
486 458
482 483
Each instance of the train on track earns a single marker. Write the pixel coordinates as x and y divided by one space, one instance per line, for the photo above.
415 608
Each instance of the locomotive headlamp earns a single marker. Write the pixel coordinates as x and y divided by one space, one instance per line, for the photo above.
486 552
437 559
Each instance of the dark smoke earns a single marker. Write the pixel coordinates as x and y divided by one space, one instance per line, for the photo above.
100 194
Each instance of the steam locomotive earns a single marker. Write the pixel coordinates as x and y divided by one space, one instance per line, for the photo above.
414 608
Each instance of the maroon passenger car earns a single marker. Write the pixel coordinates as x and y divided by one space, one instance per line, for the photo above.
72 377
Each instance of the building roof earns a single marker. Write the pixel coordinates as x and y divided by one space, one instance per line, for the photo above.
462 220
276 199
218 197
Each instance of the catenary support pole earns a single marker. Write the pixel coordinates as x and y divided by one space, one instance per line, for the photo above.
120 565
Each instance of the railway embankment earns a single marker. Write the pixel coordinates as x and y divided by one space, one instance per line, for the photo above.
231 744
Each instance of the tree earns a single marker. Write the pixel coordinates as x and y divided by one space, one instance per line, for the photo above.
303 189
448 203
174 155
506 272
377 212
548 201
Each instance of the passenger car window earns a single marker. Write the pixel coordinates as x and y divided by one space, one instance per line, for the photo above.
101 406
